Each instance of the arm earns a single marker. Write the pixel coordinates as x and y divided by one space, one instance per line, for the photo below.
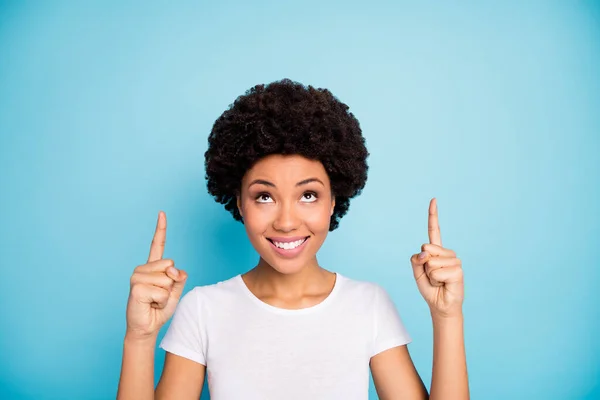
181 378
449 379
137 369
439 277
156 288
395 376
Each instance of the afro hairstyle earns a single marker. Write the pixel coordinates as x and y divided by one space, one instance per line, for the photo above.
287 118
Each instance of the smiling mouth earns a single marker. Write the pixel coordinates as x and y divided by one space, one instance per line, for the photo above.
287 245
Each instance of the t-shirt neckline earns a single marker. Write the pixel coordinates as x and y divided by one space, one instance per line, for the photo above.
279 310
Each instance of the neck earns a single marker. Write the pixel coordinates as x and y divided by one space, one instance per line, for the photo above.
270 282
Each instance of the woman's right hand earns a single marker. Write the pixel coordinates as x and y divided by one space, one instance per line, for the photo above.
155 289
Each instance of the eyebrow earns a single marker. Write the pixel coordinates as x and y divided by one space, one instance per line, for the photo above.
302 182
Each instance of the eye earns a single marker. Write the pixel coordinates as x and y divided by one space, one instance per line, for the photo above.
264 198
309 197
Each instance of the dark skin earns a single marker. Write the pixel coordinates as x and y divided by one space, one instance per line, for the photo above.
285 197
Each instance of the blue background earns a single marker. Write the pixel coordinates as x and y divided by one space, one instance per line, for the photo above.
493 108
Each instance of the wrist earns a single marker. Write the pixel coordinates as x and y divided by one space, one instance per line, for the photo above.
140 340
447 319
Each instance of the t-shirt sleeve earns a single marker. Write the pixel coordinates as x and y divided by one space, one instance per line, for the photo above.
389 331
185 335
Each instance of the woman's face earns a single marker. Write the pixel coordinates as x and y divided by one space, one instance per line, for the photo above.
286 204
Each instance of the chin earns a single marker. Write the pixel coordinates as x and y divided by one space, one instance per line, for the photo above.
285 267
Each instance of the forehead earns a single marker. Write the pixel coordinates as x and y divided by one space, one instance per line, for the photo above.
284 168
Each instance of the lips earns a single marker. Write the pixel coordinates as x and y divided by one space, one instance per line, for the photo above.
286 239
288 253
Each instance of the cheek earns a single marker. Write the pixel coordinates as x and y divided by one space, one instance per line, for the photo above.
256 217
317 219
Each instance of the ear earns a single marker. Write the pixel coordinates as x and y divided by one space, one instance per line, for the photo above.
239 204
332 206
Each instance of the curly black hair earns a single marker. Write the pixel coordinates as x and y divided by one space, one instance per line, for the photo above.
286 117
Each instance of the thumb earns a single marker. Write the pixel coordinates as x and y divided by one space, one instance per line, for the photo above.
418 264
180 277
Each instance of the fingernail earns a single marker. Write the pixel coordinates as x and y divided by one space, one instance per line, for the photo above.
422 255
174 272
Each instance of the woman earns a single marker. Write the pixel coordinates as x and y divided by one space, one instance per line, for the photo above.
285 160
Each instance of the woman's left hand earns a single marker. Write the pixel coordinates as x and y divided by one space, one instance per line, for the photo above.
438 272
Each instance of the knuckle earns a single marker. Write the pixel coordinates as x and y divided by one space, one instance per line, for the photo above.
137 290
165 282
430 268
433 262
161 280
162 295
152 278
430 247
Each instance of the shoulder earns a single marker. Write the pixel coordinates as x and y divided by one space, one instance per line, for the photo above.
361 289
216 293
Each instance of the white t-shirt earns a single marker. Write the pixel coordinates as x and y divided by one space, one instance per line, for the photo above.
255 351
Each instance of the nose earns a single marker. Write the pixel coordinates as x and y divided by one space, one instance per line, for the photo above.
287 220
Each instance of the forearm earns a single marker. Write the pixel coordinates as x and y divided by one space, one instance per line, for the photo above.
449 378
137 369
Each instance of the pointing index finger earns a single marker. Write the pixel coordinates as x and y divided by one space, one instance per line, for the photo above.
435 236
157 248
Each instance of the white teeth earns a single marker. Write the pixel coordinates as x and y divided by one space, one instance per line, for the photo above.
289 245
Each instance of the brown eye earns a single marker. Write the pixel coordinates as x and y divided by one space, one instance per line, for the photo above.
264 198
309 197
